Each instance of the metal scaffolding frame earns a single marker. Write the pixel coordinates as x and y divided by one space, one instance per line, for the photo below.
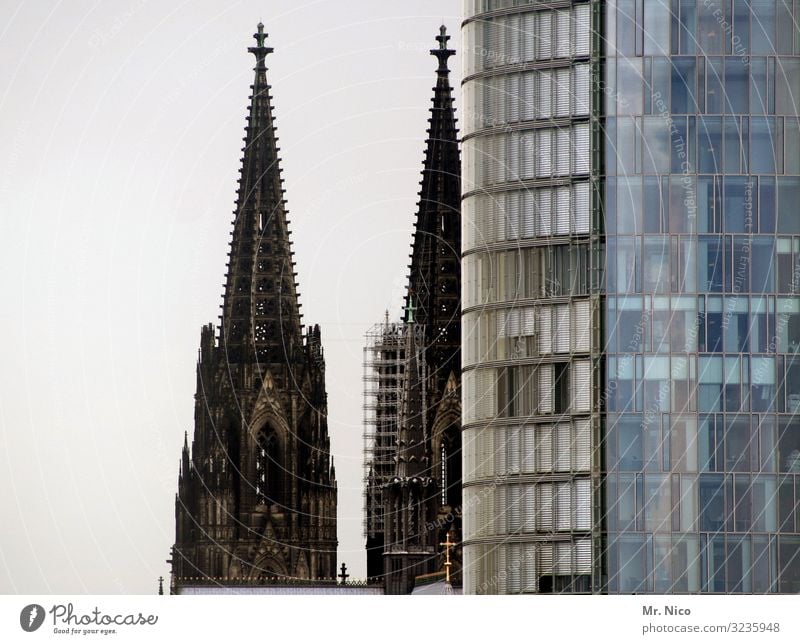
383 376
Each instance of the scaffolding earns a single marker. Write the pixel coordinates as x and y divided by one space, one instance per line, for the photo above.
384 372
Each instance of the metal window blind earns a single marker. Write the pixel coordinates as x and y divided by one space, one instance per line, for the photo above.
581 385
561 332
545 214
563 506
544 502
582 508
581 325
562 460
561 151
581 30
514 95
581 148
580 208
583 557
581 451
513 447
545 374
544 108
544 32
562 210
561 36
544 448
562 91
581 94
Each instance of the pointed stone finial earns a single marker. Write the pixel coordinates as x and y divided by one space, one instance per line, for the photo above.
442 52
410 310
160 585
260 51
442 37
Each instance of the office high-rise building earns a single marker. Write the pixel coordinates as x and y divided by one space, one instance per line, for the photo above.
530 254
631 270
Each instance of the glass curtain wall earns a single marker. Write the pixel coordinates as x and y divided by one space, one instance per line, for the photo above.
702 328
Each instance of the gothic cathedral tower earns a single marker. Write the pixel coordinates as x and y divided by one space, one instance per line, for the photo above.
256 498
422 501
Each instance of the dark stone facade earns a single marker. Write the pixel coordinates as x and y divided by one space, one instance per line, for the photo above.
422 500
257 492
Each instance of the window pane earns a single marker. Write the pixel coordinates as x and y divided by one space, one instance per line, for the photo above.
711 502
683 85
653 206
734 207
759 103
789 446
787 86
764 145
688 27
792 134
710 264
656 151
656 264
629 85
788 198
762 265
789 563
682 200
710 29
656 27
715 93
629 205
766 204
736 86
785 27
706 207
733 145
709 144
741 28
763 26
626 27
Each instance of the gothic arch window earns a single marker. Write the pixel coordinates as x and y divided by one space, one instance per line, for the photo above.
267 569
269 469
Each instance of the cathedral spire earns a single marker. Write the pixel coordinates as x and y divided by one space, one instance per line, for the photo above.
435 258
261 318
257 498
427 420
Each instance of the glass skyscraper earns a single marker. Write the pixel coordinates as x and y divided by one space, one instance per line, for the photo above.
631 208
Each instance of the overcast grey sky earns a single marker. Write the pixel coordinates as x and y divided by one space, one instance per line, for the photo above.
121 125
